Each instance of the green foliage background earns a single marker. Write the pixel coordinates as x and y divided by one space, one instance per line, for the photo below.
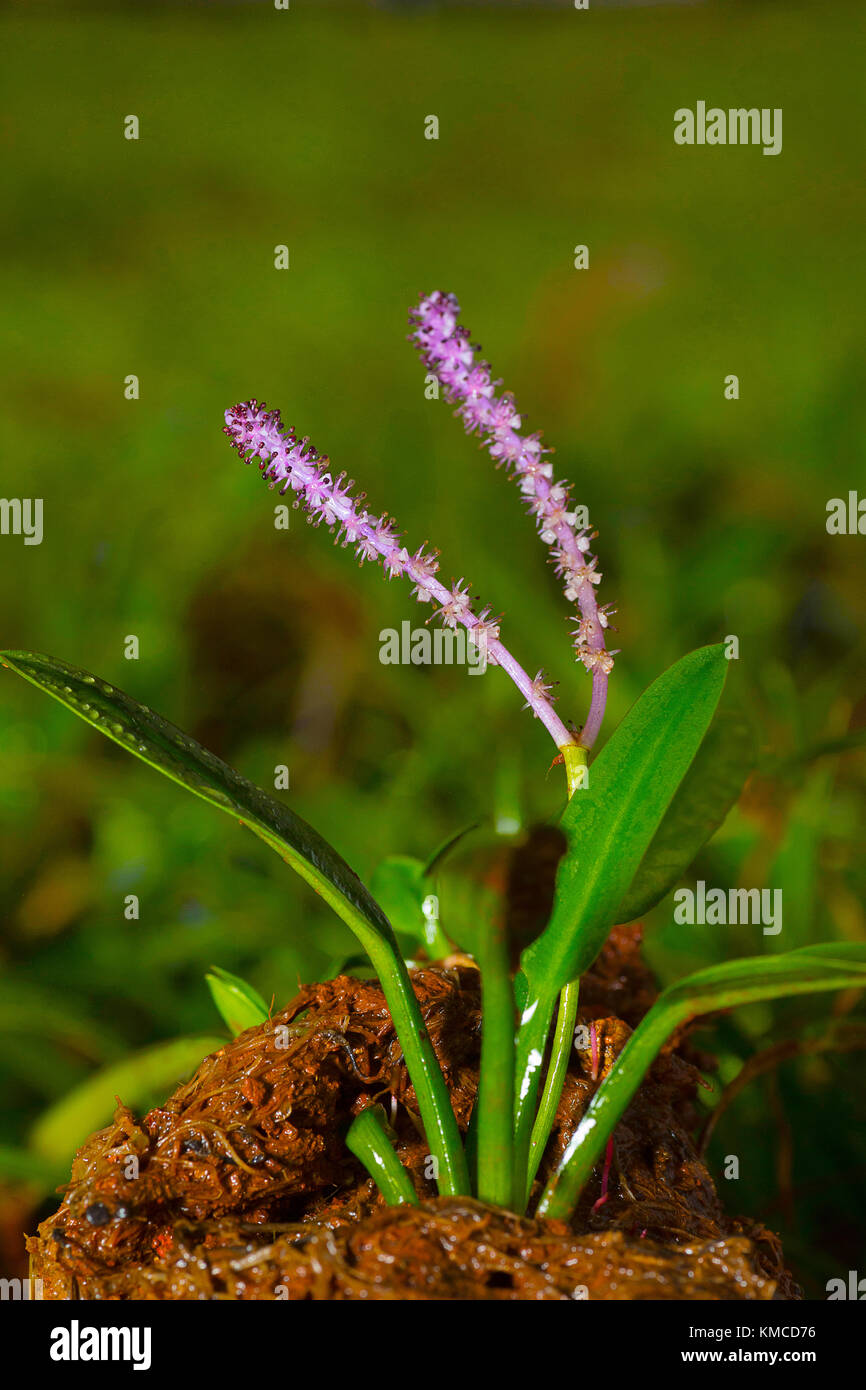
155 258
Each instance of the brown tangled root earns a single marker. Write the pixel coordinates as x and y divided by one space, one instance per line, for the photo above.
240 1185
445 1248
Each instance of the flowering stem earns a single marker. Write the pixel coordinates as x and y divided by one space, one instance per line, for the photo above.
541 707
589 732
259 434
445 348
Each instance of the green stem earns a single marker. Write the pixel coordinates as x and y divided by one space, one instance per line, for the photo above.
434 1100
369 1142
496 1078
736 982
588 1142
532 1038
532 1044
555 1080
575 759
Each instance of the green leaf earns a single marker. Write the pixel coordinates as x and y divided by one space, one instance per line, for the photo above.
472 888
609 823
706 794
369 1141
806 971
507 878
177 756
138 1081
473 892
400 884
450 843
240 1006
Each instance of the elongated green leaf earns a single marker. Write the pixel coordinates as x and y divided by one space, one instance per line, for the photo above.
240 1005
609 823
706 794
806 971
173 753
472 889
177 756
508 878
138 1081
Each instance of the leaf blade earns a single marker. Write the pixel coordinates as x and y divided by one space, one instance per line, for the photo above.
611 822
239 1005
167 749
710 788
170 751
805 971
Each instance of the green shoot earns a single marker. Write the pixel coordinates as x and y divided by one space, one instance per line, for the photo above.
368 1140
239 1005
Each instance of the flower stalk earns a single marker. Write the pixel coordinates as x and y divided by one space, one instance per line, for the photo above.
294 465
446 350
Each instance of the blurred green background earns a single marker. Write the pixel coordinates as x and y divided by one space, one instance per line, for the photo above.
156 258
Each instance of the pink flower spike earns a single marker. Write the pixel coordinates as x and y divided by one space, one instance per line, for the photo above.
259 434
445 349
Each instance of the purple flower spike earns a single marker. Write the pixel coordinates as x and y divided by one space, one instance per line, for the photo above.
296 467
445 349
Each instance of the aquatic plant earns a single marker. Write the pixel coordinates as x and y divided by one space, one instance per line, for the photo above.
634 819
